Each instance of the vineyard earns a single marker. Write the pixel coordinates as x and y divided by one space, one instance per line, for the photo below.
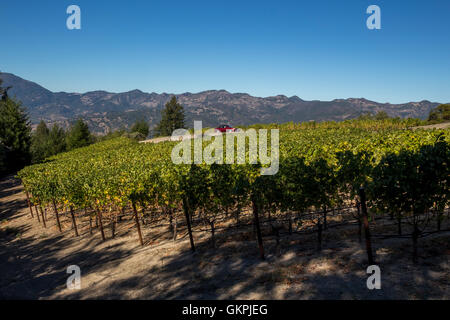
330 175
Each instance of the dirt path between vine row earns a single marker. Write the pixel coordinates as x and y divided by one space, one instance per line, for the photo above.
34 261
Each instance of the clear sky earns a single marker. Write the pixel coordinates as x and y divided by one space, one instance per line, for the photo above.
313 49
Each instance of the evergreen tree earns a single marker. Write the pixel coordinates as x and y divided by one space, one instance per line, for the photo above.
78 135
172 117
141 127
57 139
40 143
15 134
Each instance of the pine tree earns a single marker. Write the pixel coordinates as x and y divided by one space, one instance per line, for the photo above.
15 135
40 144
57 139
78 136
172 117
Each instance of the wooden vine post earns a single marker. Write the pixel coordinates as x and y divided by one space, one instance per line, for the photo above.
42 214
113 225
122 214
57 216
213 239
358 206
29 204
138 226
319 234
415 237
290 222
74 222
188 222
439 220
90 220
37 213
258 228
100 222
362 195
175 227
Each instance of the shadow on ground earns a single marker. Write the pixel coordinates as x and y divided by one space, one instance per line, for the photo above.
34 263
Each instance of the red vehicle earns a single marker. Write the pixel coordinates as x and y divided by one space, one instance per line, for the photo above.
225 128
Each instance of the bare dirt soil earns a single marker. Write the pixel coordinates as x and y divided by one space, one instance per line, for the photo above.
34 260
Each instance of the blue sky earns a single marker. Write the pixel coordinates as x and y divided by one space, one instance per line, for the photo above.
313 49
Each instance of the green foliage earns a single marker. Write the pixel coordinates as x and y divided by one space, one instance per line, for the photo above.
78 135
172 117
412 182
46 143
440 114
40 143
405 172
14 136
141 127
363 122
320 167
57 140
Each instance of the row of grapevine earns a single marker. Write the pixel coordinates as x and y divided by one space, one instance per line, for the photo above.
404 171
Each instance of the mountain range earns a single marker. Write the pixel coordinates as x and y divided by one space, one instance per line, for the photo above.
104 111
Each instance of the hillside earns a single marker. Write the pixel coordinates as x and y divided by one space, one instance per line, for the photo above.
106 110
132 230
